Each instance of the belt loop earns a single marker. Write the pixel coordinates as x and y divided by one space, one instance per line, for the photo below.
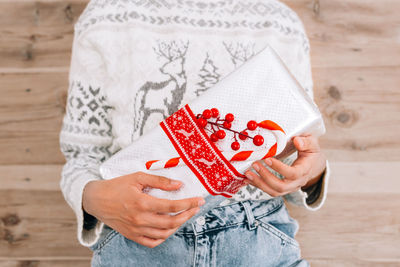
249 214
194 228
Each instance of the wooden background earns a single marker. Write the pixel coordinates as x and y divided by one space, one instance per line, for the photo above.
356 67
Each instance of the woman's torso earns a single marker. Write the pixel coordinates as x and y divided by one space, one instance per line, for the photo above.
160 55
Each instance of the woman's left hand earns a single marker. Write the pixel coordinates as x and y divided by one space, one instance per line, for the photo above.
305 170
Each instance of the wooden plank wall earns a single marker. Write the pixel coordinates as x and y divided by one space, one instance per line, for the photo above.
356 69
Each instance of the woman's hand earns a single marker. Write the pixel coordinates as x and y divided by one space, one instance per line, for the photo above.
305 170
121 204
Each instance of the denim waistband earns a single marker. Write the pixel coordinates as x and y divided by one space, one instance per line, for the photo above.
232 214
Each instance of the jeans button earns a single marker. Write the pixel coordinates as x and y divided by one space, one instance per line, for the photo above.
201 220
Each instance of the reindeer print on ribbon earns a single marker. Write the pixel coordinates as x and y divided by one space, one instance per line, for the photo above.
218 129
212 169
197 150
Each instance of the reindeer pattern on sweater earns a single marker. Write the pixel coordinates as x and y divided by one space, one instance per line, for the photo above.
165 96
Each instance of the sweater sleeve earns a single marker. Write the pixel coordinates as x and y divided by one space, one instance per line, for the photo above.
314 197
85 136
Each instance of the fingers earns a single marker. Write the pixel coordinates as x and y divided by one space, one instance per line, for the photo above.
307 143
165 225
147 241
302 166
158 227
135 234
156 233
159 182
166 206
271 184
282 168
166 221
257 182
268 178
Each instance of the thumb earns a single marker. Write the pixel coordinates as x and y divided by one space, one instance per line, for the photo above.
160 182
306 144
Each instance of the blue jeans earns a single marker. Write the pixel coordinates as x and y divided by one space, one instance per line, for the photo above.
246 233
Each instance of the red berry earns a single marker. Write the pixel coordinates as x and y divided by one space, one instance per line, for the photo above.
252 125
258 140
243 135
207 114
221 134
201 122
229 117
214 112
227 125
235 145
214 137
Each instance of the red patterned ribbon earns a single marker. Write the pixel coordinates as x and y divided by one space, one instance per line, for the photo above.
200 154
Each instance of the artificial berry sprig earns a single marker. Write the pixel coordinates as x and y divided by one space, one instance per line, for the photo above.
226 123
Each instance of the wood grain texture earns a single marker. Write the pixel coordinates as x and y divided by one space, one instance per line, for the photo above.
37 223
355 48
347 177
361 118
45 263
357 223
30 117
360 108
37 34
352 226
353 33
356 33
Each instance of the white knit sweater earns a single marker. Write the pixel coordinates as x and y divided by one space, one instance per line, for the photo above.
121 46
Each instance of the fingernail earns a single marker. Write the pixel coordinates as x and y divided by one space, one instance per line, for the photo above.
248 175
175 182
201 202
256 167
268 162
300 142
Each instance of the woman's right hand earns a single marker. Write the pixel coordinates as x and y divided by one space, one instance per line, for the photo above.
121 204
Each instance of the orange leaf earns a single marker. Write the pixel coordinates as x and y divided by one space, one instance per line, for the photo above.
270 125
241 156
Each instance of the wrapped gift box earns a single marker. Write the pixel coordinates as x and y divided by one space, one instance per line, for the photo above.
262 90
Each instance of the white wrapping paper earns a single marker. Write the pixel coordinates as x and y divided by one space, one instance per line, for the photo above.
260 89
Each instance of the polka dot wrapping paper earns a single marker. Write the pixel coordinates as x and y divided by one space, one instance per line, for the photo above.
208 144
